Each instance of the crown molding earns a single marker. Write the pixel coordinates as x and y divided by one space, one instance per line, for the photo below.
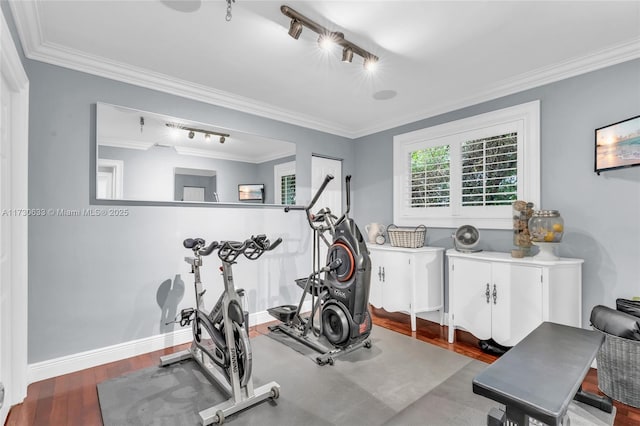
622 52
27 20
125 143
36 47
197 152
11 63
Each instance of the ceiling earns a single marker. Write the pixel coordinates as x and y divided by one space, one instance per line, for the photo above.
122 127
435 56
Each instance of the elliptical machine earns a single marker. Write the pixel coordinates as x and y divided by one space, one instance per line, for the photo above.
338 287
221 343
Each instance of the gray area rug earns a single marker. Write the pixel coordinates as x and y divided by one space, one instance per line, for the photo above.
399 381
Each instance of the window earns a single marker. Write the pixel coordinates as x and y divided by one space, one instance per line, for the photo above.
288 189
285 183
468 171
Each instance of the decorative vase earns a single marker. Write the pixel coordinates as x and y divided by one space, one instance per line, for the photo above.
546 228
522 212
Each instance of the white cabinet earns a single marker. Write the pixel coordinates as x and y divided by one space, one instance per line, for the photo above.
493 295
407 279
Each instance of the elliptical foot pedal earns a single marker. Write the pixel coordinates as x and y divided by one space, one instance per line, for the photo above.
284 313
315 285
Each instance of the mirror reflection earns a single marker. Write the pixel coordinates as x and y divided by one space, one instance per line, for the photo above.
143 156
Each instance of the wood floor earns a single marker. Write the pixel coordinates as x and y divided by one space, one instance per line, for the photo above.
72 399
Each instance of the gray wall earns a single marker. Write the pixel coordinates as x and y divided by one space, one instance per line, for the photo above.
266 175
100 281
602 213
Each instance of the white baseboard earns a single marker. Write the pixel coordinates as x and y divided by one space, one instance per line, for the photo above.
80 361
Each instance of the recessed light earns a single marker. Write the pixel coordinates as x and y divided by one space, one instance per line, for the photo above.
384 95
186 6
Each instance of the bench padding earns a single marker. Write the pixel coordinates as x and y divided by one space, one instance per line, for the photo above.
615 322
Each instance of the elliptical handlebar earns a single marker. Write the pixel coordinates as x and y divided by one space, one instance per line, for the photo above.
311 218
314 200
320 218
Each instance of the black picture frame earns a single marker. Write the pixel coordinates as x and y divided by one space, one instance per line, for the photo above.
251 192
617 145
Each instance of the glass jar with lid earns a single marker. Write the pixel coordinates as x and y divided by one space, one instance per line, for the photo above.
546 226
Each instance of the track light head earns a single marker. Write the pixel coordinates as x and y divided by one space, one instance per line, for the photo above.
326 41
191 134
370 63
347 54
222 139
295 29
207 137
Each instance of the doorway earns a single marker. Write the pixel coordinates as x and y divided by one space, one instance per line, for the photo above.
14 119
332 195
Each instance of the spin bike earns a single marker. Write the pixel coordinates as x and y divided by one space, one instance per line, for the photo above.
221 343
338 287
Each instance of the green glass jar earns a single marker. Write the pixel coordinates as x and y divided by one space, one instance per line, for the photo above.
546 226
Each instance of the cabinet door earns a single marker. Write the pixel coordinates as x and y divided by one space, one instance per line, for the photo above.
468 303
396 281
375 291
517 308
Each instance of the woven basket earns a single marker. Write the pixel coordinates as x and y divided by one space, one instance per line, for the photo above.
406 237
619 369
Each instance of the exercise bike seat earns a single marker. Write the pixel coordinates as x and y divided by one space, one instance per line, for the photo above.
197 244
190 243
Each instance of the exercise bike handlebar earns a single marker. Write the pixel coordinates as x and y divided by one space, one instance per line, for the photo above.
251 248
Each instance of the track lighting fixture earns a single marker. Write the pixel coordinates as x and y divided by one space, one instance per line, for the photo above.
326 36
192 132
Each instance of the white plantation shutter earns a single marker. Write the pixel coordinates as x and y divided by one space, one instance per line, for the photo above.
285 183
430 177
288 189
490 170
468 171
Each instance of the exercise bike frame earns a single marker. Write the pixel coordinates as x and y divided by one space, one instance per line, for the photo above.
227 326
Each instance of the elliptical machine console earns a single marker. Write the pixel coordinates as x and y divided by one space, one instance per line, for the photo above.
338 286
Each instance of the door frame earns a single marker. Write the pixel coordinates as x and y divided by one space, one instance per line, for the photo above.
14 74
336 184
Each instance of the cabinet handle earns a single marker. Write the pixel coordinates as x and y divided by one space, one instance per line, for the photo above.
495 294
487 293
383 274
380 273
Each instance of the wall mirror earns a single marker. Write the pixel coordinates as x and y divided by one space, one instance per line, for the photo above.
144 156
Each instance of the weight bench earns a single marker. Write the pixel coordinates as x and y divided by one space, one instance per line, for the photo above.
540 376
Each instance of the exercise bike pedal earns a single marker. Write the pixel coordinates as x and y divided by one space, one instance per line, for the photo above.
186 316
